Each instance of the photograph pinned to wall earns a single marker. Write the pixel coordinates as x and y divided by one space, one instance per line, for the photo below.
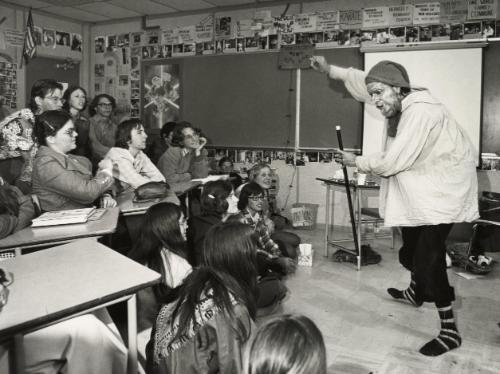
287 39
97 88
268 156
228 45
208 47
145 52
177 50
123 80
312 156
135 83
289 158
135 52
441 32
38 35
153 51
189 49
110 42
161 94
457 31
49 38
134 62
123 40
325 157
136 39
135 93
62 39
280 155
397 34
99 70
110 86
488 28
273 41
240 45
263 42
76 42
472 30
99 44
425 34
152 37
199 49
251 44
166 50
411 34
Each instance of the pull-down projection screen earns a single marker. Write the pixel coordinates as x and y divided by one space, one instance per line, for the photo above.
453 76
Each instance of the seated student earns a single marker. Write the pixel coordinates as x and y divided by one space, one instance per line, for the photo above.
186 159
262 175
286 344
162 248
62 180
163 142
217 202
16 209
225 166
131 167
17 148
204 331
250 205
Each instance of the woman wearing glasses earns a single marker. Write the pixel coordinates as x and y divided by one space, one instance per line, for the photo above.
74 102
62 180
102 126
187 158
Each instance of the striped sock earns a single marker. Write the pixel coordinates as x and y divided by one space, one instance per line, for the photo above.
408 294
448 338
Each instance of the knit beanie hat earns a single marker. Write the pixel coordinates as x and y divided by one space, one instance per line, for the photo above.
390 73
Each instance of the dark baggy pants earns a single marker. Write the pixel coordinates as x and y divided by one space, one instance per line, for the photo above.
424 253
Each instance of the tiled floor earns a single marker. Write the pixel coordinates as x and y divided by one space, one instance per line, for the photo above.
366 331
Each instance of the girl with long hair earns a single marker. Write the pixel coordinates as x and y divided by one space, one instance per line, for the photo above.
287 344
162 247
205 329
75 102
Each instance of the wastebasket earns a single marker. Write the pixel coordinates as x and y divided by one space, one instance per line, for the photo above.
304 215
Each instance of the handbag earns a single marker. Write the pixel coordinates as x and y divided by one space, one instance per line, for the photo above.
151 191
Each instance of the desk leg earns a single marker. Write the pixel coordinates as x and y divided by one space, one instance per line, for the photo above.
17 356
357 197
327 218
132 335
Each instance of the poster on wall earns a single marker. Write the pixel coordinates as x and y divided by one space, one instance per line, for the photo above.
161 94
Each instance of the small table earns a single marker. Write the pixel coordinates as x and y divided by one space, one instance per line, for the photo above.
33 237
357 190
73 279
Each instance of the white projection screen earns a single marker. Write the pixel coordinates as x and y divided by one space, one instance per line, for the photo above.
453 76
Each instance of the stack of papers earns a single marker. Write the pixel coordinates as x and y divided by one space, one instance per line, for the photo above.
63 217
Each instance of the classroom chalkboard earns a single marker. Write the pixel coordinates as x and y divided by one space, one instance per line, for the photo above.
244 100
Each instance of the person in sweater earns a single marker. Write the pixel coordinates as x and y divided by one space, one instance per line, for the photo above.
75 102
131 167
186 159
102 133
428 181
62 180
205 330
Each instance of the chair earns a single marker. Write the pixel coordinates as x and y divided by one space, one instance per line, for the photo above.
375 219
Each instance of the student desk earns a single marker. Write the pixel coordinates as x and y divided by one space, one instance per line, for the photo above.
183 190
130 208
333 185
62 282
33 237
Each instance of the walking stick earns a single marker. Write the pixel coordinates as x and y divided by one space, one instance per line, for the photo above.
348 191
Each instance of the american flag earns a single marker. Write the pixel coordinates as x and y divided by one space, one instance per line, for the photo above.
29 48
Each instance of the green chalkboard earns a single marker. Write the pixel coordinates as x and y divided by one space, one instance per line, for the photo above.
244 100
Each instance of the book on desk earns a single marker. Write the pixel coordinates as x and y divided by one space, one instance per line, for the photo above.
63 217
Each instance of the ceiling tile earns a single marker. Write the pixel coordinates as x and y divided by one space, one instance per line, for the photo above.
185 5
35 4
76 14
108 10
143 7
